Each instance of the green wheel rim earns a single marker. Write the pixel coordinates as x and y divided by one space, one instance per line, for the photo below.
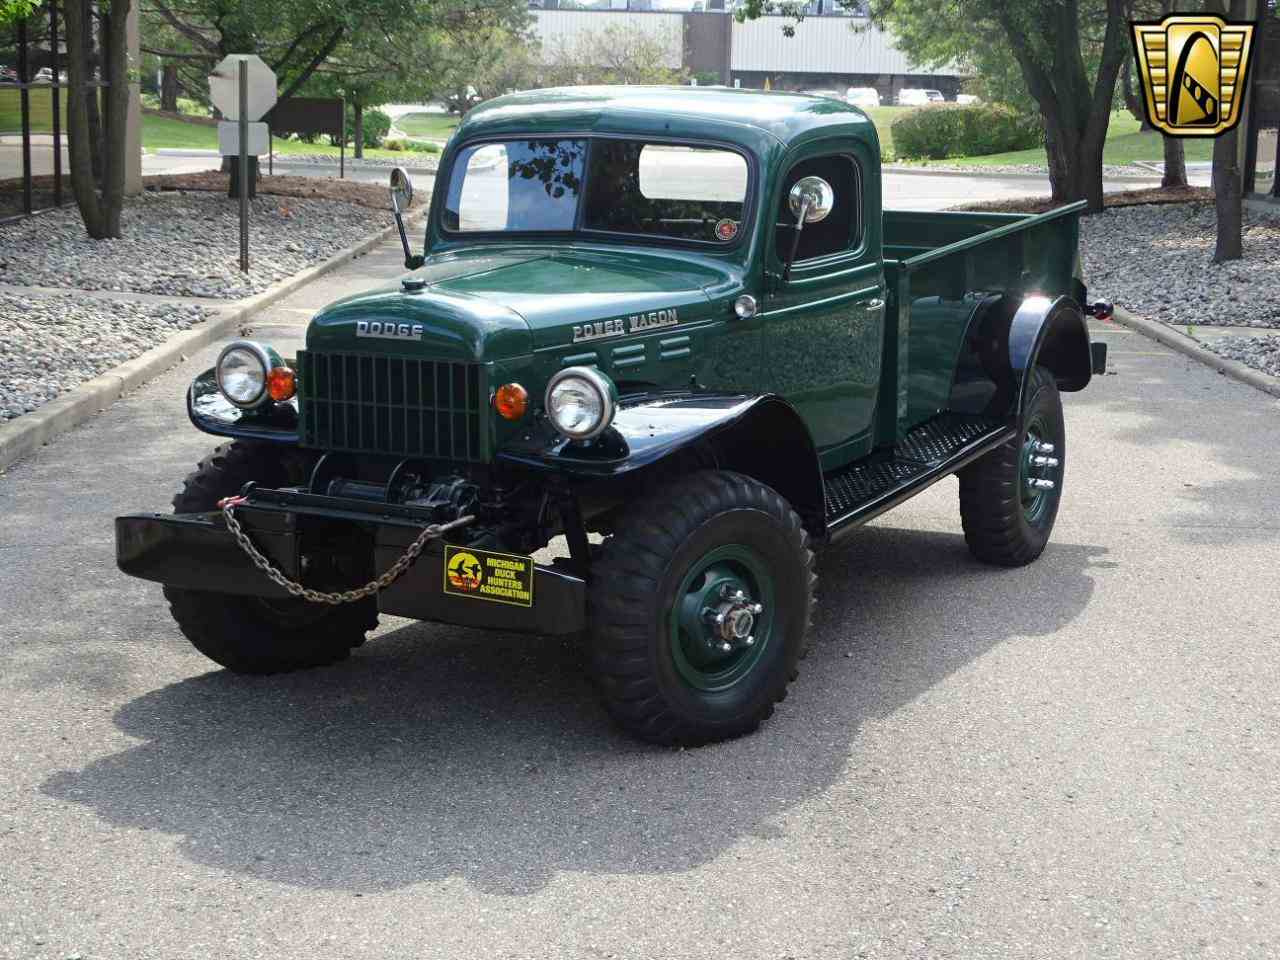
732 583
1032 467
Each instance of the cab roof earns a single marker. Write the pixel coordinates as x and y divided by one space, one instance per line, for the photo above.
745 117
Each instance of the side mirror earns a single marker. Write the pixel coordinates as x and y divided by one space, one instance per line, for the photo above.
401 190
401 200
811 199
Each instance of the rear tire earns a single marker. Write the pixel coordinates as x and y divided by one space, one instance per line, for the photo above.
1007 521
677 560
247 634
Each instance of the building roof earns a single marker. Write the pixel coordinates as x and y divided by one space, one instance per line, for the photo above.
717 113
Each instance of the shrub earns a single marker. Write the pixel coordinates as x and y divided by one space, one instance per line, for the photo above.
376 126
971 130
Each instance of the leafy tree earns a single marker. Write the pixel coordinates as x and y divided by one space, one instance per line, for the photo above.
615 54
1051 41
476 65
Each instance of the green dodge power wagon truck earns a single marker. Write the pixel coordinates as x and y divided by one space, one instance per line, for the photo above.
675 318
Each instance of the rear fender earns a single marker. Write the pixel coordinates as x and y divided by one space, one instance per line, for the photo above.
761 436
1005 348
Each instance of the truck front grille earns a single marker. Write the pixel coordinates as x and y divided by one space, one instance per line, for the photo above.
362 403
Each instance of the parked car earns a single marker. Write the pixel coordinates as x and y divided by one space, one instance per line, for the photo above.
43 75
833 94
863 97
967 98
919 97
695 333
8 75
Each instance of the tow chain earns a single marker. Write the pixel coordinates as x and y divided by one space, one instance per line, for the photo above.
393 573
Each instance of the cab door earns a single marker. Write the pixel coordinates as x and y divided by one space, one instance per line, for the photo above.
823 326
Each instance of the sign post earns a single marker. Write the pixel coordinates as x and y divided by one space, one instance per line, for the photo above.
243 88
244 167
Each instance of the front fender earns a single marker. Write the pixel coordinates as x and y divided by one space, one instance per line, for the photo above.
211 412
760 436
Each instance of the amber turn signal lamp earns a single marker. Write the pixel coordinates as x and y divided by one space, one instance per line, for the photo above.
282 383
511 401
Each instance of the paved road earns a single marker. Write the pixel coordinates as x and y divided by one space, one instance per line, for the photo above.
902 191
1076 759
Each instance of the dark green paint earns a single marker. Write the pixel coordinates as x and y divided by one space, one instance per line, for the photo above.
695 649
864 343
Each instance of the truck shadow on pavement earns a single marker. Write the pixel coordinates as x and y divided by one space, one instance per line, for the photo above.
439 752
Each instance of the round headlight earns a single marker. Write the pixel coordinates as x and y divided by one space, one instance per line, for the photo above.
242 372
581 402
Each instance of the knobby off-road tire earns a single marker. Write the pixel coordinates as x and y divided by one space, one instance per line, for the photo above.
677 556
247 634
1006 521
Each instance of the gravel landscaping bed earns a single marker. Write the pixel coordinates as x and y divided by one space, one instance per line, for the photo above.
184 244
1109 171
1261 353
1156 262
52 344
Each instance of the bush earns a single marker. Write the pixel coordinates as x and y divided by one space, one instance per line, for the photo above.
972 130
413 146
376 126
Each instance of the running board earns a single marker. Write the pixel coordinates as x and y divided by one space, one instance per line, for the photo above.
933 450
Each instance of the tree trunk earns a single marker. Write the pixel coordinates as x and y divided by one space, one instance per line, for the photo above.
1131 100
1226 193
1175 165
169 88
1275 183
94 103
100 212
357 126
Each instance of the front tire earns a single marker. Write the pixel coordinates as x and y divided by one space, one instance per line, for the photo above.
249 634
1007 511
712 544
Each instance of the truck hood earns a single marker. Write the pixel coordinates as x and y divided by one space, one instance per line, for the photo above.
482 304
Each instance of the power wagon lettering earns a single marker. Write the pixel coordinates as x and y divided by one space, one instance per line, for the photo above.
636 323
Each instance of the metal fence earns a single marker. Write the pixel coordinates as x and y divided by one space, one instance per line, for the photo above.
32 114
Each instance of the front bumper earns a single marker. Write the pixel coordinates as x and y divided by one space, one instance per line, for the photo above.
197 552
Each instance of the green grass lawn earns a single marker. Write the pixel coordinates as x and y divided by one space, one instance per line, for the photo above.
165 133
41 111
436 126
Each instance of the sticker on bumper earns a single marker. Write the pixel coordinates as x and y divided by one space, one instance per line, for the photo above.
485 575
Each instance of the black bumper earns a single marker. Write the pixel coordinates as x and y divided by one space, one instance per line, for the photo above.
196 552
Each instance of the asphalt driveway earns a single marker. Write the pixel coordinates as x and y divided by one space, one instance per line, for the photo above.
1074 759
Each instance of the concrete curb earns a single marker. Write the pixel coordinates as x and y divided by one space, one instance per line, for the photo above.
979 174
1165 334
26 434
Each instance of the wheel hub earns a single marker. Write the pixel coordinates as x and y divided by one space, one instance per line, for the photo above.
1040 471
722 622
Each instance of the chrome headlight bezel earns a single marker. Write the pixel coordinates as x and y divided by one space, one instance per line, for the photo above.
595 381
267 359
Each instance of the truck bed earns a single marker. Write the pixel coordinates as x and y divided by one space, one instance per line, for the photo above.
939 268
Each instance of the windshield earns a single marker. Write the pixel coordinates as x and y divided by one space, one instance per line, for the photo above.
606 185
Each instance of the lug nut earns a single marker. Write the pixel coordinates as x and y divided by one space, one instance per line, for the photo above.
1037 484
757 608
726 647
1045 461
749 641
1042 447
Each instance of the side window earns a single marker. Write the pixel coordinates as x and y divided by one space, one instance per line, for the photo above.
842 229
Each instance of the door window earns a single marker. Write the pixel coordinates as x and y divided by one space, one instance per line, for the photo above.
842 228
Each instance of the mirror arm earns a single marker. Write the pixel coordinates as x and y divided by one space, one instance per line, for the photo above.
795 243
404 237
